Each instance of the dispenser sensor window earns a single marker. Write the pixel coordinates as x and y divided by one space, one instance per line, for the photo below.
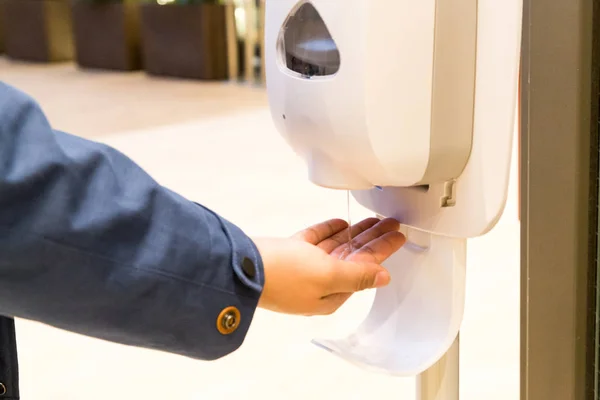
306 46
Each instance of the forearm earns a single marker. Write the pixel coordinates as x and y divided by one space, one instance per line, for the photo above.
92 244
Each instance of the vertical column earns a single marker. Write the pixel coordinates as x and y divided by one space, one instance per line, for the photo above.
441 381
261 39
250 40
232 41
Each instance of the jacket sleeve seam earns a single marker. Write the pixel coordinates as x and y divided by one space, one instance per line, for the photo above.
159 272
147 270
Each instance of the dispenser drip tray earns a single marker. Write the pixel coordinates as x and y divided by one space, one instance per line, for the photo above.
416 318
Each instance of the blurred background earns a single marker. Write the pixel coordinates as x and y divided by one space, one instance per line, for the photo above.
179 86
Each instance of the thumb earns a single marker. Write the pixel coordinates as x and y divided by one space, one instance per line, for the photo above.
352 277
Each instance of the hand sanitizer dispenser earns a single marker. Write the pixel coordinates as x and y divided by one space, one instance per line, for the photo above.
411 105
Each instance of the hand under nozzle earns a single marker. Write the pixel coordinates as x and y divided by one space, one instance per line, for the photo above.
304 275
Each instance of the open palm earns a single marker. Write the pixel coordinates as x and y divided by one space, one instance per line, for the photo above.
319 268
373 240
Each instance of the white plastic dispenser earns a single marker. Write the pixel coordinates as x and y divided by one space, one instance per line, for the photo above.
411 105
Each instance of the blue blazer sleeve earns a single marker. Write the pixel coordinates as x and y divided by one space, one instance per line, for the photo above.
91 244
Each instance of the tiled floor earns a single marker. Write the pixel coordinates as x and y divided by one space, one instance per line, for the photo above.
215 143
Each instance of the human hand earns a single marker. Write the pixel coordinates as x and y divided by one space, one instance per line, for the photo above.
314 272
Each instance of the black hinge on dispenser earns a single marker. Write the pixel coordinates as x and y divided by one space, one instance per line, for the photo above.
9 364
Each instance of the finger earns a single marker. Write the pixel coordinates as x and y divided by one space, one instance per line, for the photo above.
379 249
317 233
350 277
382 227
337 241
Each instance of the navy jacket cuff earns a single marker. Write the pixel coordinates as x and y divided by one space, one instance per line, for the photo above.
241 285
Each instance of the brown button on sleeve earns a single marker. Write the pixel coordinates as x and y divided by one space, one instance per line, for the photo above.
228 320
